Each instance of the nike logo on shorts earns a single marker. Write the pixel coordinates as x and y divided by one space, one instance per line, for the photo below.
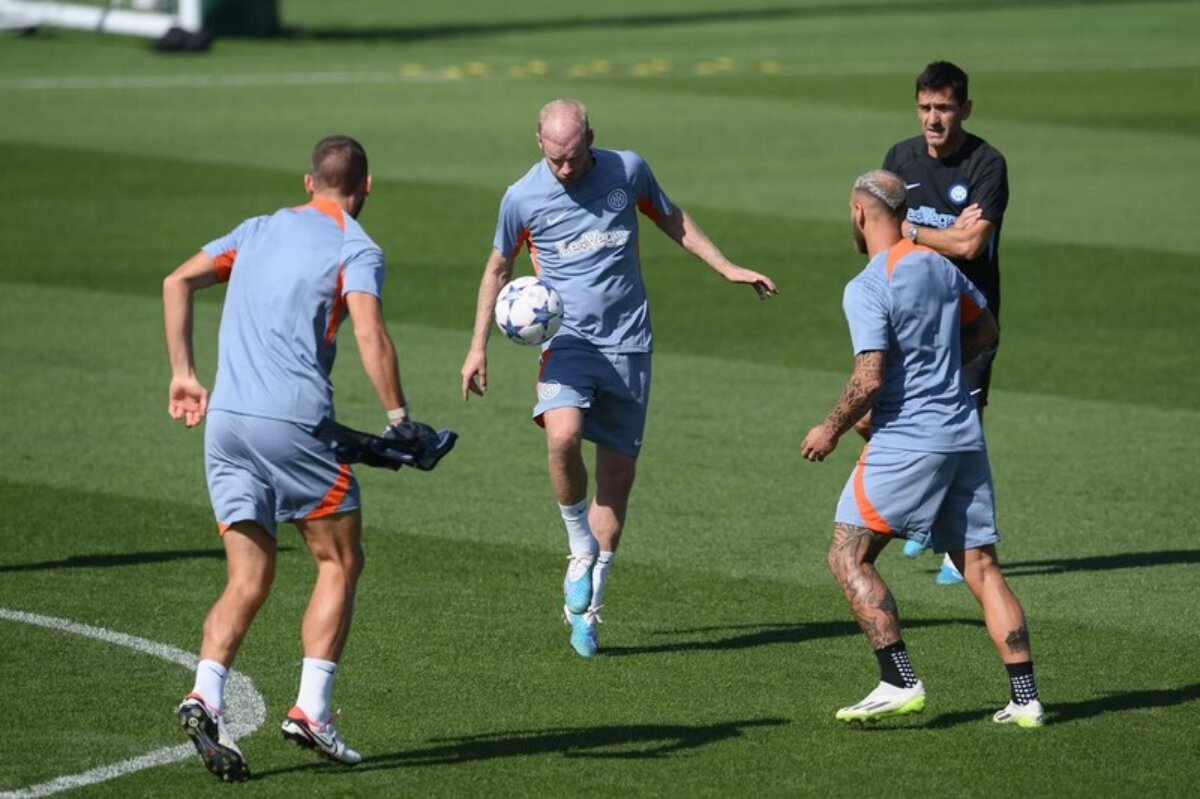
908 186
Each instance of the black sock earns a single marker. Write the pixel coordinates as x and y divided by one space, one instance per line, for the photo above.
1024 687
895 667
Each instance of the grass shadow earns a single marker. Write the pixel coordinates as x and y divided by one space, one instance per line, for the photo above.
763 635
1067 712
116 559
1127 560
604 742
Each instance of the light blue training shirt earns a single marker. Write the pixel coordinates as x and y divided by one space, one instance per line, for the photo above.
583 241
910 302
289 274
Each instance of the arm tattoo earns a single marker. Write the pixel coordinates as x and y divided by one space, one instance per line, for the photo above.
852 555
860 391
1018 640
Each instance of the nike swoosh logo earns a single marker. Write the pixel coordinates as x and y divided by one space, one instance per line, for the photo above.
554 220
908 186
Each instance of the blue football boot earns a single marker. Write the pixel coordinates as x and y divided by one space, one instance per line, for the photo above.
913 549
948 575
577 585
583 631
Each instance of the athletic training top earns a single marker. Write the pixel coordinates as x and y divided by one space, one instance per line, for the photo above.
938 190
583 241
289 274
909 302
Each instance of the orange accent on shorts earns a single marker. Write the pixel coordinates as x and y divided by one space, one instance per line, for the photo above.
337 492
969 312
339 305
224 264
223 528
646 207
874 521
328 207
545 358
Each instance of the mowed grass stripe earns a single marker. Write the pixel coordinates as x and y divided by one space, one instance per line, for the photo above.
1058 188
1053 293
721 485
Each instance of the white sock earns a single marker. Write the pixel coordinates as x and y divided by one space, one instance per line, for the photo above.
210 683
599 575
316 688
579 533
949 563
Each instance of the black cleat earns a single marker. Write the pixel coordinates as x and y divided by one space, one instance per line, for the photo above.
213 742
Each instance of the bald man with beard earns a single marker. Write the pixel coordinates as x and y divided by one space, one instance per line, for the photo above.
576 210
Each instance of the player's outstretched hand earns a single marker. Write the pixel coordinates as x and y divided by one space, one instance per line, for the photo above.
187 399
819 442
474 375
763 285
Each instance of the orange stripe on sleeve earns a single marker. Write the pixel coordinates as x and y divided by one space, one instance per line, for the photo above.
335 310
646 207
521 239
337 492
224 265
874 521
969 311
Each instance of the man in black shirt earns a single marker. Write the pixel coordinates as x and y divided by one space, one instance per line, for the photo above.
957 191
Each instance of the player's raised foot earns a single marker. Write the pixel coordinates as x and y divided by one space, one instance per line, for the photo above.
320 738
1029 715
583 631
577 584
913 549
213 742
884 702
948 575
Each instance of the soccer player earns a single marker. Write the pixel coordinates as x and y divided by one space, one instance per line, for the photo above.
576 211
293 276
914 320
957 189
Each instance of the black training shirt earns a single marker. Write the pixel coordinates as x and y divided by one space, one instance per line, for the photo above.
938 190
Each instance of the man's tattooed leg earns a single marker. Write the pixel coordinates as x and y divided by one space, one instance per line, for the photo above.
851 558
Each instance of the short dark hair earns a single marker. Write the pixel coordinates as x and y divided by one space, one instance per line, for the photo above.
941 75
339 163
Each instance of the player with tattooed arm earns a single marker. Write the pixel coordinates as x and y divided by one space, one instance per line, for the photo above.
926 466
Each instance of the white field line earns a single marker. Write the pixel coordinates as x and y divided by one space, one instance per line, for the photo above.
246 708
450 73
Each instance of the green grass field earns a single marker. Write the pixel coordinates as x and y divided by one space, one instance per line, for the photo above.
726 646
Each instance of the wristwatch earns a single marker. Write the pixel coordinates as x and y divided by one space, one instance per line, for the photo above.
911 235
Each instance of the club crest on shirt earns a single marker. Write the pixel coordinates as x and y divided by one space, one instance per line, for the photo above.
958 193
618 199
549 389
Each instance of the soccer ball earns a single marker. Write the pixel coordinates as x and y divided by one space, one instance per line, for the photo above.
529 311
